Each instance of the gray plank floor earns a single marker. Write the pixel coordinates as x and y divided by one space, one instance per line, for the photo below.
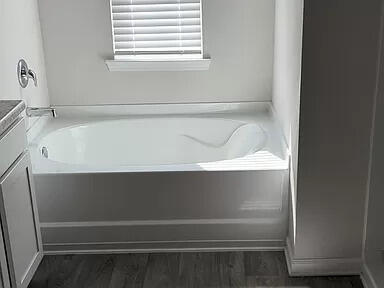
224 269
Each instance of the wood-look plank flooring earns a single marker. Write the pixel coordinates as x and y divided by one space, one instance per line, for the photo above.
208 269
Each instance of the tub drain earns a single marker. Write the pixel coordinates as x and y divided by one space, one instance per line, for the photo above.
44 152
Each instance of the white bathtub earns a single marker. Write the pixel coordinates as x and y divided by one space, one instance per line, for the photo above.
161 144
131 181
154 141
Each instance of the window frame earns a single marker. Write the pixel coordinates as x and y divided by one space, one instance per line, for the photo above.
158 61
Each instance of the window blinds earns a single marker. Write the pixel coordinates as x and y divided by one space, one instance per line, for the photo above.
157 28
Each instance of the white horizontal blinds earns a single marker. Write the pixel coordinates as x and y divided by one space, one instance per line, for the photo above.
157 27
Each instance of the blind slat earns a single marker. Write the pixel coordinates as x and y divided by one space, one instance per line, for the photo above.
159 50
156 37
158 43
151 2
157 30
155 22
156 27
156 15
155 8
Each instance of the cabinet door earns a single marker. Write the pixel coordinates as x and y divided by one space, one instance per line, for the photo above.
20 223
5 279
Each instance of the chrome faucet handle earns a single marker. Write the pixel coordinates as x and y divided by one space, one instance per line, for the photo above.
24 74
32 75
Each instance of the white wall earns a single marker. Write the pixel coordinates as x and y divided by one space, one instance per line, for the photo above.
374 241
340 54
20 37
238 35
287 79
374 245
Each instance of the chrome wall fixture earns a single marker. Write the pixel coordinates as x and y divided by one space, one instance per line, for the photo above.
24 74
41 111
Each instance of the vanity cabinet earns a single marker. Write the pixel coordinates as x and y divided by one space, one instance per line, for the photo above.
20 237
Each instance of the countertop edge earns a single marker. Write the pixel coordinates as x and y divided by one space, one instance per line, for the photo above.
9 118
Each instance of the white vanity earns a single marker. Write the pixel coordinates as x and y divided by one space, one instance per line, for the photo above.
20 237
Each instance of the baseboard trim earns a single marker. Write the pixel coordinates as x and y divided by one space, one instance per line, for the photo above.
367 278
163 246
164 235
320 266
172 222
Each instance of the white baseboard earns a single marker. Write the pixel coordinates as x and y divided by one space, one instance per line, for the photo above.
164 235
156 247
367 278
321 266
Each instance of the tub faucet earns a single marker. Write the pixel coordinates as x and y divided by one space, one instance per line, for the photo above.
24 74
40 111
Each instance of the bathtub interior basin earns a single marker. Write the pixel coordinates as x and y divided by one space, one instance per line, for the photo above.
158 141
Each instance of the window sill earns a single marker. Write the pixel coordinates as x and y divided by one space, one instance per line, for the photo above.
158 65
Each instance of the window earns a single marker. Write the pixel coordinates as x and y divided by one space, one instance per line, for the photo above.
157 30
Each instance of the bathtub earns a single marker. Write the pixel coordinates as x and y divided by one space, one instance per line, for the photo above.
124 179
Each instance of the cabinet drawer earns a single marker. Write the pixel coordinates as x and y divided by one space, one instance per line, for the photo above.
12 143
